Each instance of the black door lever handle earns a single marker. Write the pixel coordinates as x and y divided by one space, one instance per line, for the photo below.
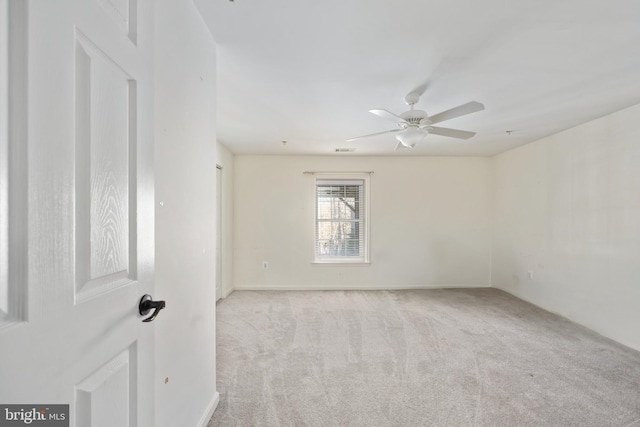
147 304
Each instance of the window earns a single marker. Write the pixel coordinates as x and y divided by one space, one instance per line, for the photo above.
341 233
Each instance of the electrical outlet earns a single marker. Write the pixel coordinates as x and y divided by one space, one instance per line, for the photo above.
530 274
265 264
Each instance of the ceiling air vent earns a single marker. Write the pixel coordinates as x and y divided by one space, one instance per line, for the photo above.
344 150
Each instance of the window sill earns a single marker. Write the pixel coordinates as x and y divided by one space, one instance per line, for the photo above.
344 262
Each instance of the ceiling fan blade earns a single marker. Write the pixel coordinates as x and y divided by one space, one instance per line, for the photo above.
414 96
389 116
461 110
453 133
419 90
375 134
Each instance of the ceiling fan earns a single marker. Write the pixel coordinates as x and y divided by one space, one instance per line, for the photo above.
414 125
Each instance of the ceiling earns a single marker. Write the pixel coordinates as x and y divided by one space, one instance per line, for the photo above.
307 71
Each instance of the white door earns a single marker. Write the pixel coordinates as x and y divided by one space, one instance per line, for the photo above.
76 208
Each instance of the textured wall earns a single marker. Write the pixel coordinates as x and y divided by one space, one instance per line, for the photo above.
430 223
567 228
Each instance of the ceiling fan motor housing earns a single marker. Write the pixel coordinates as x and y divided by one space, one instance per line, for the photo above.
414 117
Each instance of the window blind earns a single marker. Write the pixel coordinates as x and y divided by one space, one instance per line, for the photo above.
340 219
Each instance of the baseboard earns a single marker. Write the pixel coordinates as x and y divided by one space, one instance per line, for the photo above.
208 413
229 292
352 288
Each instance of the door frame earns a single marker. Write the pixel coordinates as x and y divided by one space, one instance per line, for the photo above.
219 232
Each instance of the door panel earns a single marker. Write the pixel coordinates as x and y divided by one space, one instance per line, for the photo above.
4 164
124 14
84 255
13 164
105 160
104 397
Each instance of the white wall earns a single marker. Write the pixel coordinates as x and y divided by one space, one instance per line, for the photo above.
185 216
430 223
226 161
567 209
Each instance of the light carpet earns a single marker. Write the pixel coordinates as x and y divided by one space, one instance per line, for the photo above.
448 357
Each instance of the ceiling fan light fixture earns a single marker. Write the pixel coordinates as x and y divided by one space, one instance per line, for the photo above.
411 136
414 125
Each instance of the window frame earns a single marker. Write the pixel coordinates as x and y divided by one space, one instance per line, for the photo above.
341 178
